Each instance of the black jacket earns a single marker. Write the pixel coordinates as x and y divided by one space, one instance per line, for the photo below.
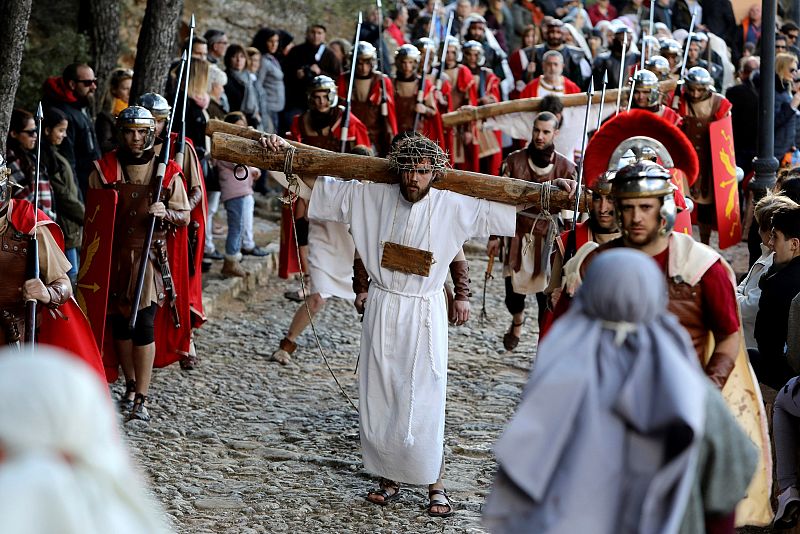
744 116
779 285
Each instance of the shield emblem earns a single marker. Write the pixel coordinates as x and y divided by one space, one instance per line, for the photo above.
726 186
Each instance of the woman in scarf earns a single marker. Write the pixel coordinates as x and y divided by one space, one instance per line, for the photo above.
21 159
63 465
621 430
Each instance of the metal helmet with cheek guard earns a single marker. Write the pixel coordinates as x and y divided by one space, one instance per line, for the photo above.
646 80
658 65
155 104
647 179
135 117
407 51
670 47
475 45
324 83
453 42
365 50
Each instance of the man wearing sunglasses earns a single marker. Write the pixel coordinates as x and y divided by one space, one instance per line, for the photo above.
73 93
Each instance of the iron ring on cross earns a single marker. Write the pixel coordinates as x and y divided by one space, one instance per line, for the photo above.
236 170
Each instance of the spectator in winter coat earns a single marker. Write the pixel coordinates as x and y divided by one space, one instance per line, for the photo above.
239 89
73 93
270 75
21 159
786 104
115 100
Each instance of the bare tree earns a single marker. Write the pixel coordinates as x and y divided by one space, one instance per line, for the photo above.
13 34
105 42
156 46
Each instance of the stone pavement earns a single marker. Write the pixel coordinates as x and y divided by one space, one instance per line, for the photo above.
244 445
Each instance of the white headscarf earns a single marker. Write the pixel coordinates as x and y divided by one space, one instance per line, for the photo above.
63 466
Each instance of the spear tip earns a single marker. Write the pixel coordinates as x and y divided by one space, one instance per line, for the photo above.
591 86
359 17
39 112
183 56
605 77
191 22
378 3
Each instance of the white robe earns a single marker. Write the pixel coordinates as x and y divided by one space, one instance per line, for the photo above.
403 361
330 259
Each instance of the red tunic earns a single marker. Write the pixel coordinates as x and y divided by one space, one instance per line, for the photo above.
491 162
71 331
532 89
374 98
357 133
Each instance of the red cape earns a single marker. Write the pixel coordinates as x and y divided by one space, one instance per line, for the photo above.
532 89
71 332
357 131
374 97
172 343
199 215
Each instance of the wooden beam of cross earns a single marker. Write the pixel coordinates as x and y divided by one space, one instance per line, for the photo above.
463 116
316 162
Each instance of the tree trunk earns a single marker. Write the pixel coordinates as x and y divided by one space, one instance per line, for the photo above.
156 46
105 42
13 34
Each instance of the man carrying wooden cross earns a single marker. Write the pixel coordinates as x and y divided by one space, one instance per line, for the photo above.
405 234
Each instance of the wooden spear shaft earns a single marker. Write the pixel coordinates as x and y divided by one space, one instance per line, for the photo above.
463 116
315 162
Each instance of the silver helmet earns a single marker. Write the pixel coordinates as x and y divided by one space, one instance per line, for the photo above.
698 77
407 51
475 45
136 117
365 50
156 104
658 65
644 80
669 47
324 83
647 179
452 42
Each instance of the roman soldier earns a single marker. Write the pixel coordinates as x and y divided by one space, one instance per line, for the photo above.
646 95
161 333
59 319
699 106
576 65
526 267
372 99
490 143
194 182
463 93
671 50
659 65
406 87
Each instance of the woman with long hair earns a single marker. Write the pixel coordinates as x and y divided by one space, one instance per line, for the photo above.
21 159
786 104
239 89
270 74
65 189
114 100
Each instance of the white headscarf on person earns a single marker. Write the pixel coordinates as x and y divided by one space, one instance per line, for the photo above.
63 465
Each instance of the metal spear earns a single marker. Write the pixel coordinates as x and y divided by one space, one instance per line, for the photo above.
32 267
347 113
180 147
621 71
602 100
421 92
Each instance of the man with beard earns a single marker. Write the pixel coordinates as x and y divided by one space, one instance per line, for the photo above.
552 80
130 170
527 262
327 246
372 99
646 95
474 29
611 61
73 93
700 106
490 143
576 66
400 230
406 86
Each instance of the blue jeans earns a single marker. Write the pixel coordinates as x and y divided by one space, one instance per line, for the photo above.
235 210
73 256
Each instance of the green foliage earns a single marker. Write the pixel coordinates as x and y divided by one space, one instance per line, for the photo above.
45 57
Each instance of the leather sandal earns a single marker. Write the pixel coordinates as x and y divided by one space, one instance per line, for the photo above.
510 341
387 498
438 497
139 411
124 403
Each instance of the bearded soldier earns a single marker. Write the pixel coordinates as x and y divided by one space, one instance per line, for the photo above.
60 321
646 95
198 206
699 106
527 262
372 90
131 172
402 232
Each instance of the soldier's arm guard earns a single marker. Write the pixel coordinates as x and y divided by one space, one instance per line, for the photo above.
195 197
459 271
360 277
60 292
177 217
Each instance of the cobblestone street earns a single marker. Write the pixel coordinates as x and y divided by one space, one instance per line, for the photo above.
244 445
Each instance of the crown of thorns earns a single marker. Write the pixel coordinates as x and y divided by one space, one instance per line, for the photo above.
409 153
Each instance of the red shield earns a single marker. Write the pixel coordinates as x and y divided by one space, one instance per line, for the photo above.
93 276
726 191
683 221
287 258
